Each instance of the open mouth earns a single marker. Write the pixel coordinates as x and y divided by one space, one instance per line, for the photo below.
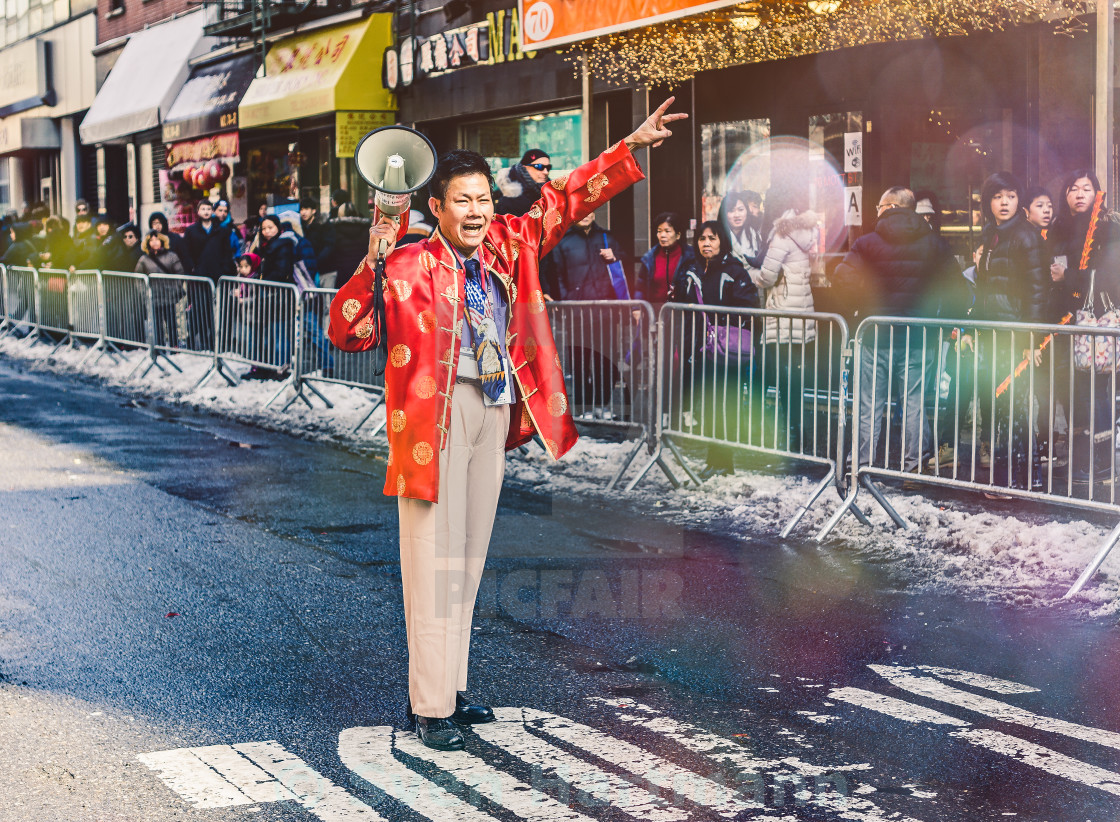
474 227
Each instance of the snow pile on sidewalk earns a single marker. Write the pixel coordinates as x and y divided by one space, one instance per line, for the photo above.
1015 552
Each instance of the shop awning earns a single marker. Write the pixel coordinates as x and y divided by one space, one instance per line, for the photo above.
145 79
330 69
208 101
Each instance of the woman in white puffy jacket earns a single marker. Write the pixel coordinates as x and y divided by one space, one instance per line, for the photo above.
785 282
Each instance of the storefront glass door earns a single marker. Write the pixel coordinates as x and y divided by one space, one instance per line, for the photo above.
503 142
723 147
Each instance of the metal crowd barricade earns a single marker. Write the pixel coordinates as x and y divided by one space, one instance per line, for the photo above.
256 326
3 299
19 299
785 399
1002 407
126 300
182 312
320 362
83 294
606 353
52 305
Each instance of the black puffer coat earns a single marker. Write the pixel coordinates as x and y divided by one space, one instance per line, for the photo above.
350 246
575 271
722 281
519 191
278 259
1012 279
210 251
901 269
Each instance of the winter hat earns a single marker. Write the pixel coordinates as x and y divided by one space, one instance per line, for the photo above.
254 260
532 155
924 206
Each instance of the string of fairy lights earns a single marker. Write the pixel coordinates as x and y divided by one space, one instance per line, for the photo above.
671 53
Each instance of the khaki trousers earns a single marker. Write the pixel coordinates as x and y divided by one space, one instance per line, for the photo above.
443 549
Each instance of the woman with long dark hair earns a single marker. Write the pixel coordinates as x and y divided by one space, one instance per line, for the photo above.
1012 285
714 278
741 217
1085 240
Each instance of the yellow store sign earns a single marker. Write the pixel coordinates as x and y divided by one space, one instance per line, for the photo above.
328 70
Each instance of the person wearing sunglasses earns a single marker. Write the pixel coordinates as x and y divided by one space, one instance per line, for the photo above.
520 184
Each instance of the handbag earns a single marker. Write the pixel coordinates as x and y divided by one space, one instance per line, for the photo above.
724 340
1093 352
618 276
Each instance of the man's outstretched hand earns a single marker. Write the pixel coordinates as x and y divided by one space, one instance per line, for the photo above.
653 131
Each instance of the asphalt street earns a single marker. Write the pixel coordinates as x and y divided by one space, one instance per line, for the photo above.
200 620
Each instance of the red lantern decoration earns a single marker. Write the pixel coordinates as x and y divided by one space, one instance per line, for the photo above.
202 179
214 170
188 176
224 172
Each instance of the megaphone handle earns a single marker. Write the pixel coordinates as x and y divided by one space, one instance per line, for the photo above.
383 245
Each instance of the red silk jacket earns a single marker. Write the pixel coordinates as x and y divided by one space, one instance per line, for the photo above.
424 302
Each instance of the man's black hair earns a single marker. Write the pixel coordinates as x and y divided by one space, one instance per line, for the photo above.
458 163
307 202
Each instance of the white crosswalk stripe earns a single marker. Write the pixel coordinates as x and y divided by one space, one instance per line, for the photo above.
993 708
368 752
510 734
826 786
513 794
642 763
1029 753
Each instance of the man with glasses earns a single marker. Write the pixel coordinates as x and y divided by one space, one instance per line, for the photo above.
520 185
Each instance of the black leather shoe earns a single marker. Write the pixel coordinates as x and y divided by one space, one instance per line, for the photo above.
439 734
467 714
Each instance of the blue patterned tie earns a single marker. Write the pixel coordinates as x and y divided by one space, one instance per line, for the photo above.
487 352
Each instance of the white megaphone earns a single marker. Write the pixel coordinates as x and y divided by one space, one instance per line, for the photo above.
395 161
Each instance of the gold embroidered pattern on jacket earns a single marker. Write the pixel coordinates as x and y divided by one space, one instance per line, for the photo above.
426 388
426 320
536 302
552 221
422 452
398 421
530 349
595 187
535 212
560 183
350 310
401 289
400 485
557 404
427 261
400 355
364 329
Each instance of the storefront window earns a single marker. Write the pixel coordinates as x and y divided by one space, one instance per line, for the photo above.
503 142
5 185
951 154
722 146
836 177
22 18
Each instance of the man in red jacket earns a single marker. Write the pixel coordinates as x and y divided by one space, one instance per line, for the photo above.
465 317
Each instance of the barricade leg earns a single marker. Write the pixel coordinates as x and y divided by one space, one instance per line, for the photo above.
681 461
1098 560
838 514
828 480
377 404
899 520
626 464
657 458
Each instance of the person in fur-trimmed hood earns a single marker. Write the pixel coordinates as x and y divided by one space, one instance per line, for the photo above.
520 185
785 282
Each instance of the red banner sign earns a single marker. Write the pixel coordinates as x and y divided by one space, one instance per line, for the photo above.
547 23
218 147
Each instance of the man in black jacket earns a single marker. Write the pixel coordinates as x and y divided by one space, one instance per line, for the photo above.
577 268
521 185
319 233
901 269
208 245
